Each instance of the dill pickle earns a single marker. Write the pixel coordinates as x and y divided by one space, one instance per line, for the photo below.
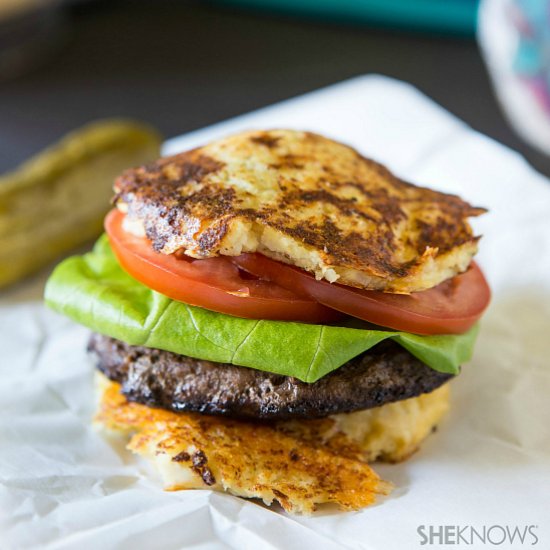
57 200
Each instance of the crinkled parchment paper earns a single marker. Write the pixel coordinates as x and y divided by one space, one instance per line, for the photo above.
62 485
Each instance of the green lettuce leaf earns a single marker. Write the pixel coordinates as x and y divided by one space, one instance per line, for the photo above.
95 291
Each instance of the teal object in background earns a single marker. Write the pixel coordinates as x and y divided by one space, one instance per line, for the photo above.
446 16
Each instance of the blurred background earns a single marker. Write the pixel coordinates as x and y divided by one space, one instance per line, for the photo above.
179 65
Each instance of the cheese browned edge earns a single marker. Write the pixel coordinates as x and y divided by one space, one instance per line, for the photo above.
303 199
299 464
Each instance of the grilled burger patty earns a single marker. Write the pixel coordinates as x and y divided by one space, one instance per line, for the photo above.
384 374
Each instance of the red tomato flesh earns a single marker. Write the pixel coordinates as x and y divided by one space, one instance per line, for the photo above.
215 283
449 308
256 287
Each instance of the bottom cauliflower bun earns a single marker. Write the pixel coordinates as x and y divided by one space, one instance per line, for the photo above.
299 464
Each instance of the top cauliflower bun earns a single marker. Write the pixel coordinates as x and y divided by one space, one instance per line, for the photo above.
305 200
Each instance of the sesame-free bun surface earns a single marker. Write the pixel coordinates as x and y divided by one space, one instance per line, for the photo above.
300 464
303 199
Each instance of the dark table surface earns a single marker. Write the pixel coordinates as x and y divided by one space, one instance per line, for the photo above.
184 65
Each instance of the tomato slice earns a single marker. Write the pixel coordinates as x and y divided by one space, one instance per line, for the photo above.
268 289
450 308
215 283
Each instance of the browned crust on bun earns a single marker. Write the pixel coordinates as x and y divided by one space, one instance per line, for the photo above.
306 200
247 459
300 464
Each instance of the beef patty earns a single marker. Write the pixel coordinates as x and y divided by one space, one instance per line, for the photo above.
384 374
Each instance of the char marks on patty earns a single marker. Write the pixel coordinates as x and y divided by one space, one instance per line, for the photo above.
306 200
384 374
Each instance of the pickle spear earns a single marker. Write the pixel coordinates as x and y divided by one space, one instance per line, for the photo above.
57 200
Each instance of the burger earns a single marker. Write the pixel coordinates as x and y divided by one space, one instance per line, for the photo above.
273 312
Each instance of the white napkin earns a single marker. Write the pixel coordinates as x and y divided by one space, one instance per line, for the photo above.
65 486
